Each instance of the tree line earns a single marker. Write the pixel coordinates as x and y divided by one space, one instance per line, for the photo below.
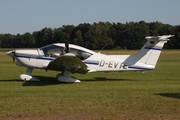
130 35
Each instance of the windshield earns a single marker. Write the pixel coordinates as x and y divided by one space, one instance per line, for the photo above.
52 50
55 51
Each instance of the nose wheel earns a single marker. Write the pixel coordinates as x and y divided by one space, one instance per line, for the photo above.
27 76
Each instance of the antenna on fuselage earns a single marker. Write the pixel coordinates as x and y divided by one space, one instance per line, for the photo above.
102 48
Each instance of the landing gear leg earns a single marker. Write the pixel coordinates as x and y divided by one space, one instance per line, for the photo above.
29 71
27 76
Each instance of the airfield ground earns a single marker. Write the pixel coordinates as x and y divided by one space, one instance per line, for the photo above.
100 96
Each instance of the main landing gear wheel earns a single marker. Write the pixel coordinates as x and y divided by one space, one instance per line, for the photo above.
66 77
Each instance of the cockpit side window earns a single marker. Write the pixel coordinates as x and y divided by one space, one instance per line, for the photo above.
80 53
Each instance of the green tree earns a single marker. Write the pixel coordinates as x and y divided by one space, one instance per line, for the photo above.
130 35
60 36
7 40
27 40
44 37
78 38
177 38
135 34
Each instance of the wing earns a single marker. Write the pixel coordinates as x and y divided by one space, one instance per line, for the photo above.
68 62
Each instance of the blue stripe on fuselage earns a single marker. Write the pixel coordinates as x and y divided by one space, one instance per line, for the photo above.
92 63
153 48
31 57
45 58
23 56
140 68
35 57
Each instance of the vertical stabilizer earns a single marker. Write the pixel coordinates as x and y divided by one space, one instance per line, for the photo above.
150 52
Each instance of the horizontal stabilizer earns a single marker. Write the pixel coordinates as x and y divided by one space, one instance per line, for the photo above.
150 52
159 38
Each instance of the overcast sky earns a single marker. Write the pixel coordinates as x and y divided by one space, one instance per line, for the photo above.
21 16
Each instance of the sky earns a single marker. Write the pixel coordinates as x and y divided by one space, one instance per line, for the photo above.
21 16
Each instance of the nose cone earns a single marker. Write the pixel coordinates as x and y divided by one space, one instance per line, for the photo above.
10 53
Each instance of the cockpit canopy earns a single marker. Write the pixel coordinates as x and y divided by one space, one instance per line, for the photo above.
58 49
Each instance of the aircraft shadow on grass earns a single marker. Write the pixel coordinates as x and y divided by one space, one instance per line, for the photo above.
12 80
169 95
106 79
45 81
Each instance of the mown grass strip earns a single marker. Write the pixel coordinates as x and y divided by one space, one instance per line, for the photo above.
116 95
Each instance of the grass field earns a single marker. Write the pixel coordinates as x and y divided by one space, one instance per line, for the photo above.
100 96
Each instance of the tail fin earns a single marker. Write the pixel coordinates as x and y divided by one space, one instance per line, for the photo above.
150 52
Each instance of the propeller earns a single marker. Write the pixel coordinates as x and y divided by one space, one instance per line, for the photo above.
14 55
67 47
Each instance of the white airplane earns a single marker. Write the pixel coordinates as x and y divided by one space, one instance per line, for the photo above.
69 58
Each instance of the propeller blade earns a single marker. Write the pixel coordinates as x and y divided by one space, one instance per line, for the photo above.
14 55
67 47
13 59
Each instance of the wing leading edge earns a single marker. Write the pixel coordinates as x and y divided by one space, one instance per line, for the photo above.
68 62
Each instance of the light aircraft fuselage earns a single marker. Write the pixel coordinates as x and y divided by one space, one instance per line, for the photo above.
69 58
